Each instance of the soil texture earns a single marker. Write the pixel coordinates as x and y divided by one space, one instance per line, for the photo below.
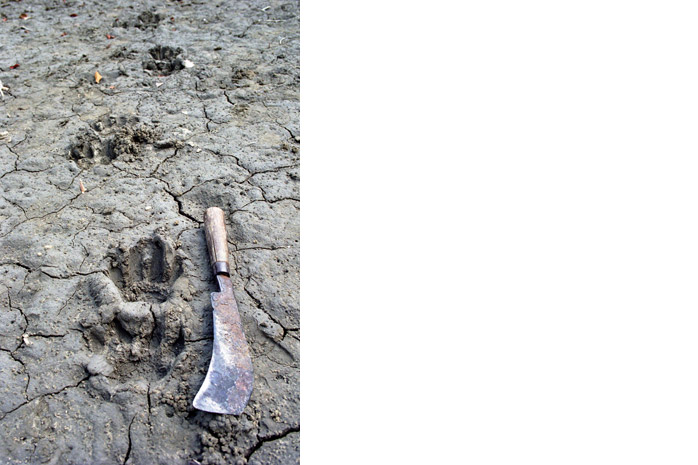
105 313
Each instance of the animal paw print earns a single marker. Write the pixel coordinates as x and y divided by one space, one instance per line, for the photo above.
134 324
145 20
165 60
147 271
111 138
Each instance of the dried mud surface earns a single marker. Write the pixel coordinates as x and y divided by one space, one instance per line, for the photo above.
105 316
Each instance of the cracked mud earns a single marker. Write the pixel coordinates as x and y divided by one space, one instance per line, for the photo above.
105 316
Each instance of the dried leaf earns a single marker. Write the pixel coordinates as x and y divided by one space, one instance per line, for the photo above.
98 77
109 36
73 15
23 16
82 188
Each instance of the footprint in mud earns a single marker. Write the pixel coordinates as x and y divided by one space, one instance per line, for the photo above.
165 60
147 270
89 149
136 331
111 138
240 77
145 20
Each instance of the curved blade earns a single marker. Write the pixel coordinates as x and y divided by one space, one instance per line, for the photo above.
228 383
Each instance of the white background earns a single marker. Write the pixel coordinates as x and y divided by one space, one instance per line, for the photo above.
499 232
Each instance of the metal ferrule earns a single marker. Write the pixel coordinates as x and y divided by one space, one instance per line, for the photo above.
221 268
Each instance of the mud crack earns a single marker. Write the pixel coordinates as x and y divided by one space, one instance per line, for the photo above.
128 450
272 437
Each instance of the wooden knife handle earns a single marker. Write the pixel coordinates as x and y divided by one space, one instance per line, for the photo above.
216 239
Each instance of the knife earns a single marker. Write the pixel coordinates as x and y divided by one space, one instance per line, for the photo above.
229 380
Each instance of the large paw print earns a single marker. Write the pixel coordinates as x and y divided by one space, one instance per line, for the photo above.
146 271
165 60
109 139
135 325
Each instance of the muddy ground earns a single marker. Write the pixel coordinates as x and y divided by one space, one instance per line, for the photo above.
105 317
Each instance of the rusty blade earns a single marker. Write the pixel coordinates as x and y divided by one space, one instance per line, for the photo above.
228 383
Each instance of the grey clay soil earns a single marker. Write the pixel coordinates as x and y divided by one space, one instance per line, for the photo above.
105 318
